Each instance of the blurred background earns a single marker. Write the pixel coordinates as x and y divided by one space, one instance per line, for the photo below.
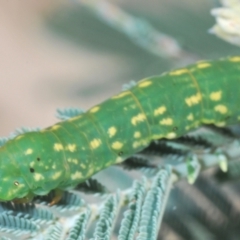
56 54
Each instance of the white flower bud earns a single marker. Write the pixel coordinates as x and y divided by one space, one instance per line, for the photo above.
228 21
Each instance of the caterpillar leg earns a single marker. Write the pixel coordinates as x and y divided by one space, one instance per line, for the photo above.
57 197
25 199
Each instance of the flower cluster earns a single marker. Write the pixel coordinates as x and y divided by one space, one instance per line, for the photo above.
227 24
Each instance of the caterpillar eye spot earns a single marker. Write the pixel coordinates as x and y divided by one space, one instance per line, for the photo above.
38 159
32 170
16 183
120 153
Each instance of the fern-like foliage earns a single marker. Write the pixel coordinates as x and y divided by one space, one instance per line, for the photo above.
66 113
130 221
23 130
54 232
14 226
78 231
154 205
108 213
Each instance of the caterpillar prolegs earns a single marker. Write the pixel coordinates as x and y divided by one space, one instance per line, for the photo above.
165 106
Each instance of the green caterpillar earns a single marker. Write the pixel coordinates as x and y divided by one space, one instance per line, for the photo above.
165 106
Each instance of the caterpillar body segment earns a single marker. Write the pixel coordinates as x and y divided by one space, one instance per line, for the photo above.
166 106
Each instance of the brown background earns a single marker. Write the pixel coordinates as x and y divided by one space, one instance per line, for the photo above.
56 54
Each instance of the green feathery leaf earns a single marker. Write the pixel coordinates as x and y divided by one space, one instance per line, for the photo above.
54 232
154 205
66 113
107 218
16 226
78 231
130 221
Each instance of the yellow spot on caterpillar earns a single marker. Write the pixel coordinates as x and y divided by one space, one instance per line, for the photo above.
178 72
19 137
28 151
54 166
166 121
94 109
171 135
98 168
107 164
56 175
82 165
140 143
221 109
76 175
193 100
90 171
220 124
71 147
137 134
144 84
190 117
117 145
216 96
118 160
73 160
95 143
193 125
58 147
38 176
32 164
238 117
55 127
136 144
112 131
132 106
139 118
208 121
121 95
234 59
157 136
74 118
203 65
159 110
192 69
14 191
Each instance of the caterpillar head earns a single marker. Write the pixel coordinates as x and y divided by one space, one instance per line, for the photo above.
29 165
12 184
